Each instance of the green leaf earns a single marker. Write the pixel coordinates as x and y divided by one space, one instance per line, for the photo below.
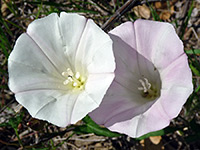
194 70
197 89
4 124
91 127
154 13
158 133
15 121
193 51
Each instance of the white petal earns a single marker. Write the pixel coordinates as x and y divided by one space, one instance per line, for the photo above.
29 68
46 34
52 105
95 50
72 27
97 85
83 106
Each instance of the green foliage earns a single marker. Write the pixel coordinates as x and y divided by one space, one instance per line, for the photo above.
158 133
195 70
56 7
193 51
91 127
154 13
13 121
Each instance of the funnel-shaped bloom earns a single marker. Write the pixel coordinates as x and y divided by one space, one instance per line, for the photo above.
61 68
152 79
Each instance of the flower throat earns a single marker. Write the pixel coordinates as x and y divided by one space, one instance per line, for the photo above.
74 81
148 90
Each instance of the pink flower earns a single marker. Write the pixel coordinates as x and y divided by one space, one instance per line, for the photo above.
152 82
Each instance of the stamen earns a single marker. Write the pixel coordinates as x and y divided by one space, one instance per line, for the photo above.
64 74
145 85
77 75
66 82
75 84
70 79
69 71
76 80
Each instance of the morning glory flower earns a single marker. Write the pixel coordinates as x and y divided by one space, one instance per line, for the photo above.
61 68
152 79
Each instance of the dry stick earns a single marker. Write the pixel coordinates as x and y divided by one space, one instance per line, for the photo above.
50 136
121 11
2 109
149 1
125 8
183 17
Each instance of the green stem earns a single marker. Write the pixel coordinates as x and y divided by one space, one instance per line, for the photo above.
17 134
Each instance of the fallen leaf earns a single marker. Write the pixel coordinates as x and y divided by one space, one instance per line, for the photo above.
142 11
155 139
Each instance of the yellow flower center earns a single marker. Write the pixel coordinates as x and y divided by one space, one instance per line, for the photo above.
148 90
74 81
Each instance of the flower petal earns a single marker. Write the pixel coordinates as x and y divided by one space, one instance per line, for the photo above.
33 70
155 40
51 105
157 116
141 124
131 58
46 34
119 105
72 26
123 100
97 85
151 39
175 85
95 45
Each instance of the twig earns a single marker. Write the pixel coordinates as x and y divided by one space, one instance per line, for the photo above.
50 136
6 106
6 143
125 8
72 145
148 1
183 17
121 11
100 8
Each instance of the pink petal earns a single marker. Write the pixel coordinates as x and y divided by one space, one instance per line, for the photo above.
177 85
151 39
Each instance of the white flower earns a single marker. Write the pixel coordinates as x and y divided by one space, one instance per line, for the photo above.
61 68
152 79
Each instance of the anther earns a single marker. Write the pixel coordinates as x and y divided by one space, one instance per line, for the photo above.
64 74
66 82
75 80
69 71
75 84
77 75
